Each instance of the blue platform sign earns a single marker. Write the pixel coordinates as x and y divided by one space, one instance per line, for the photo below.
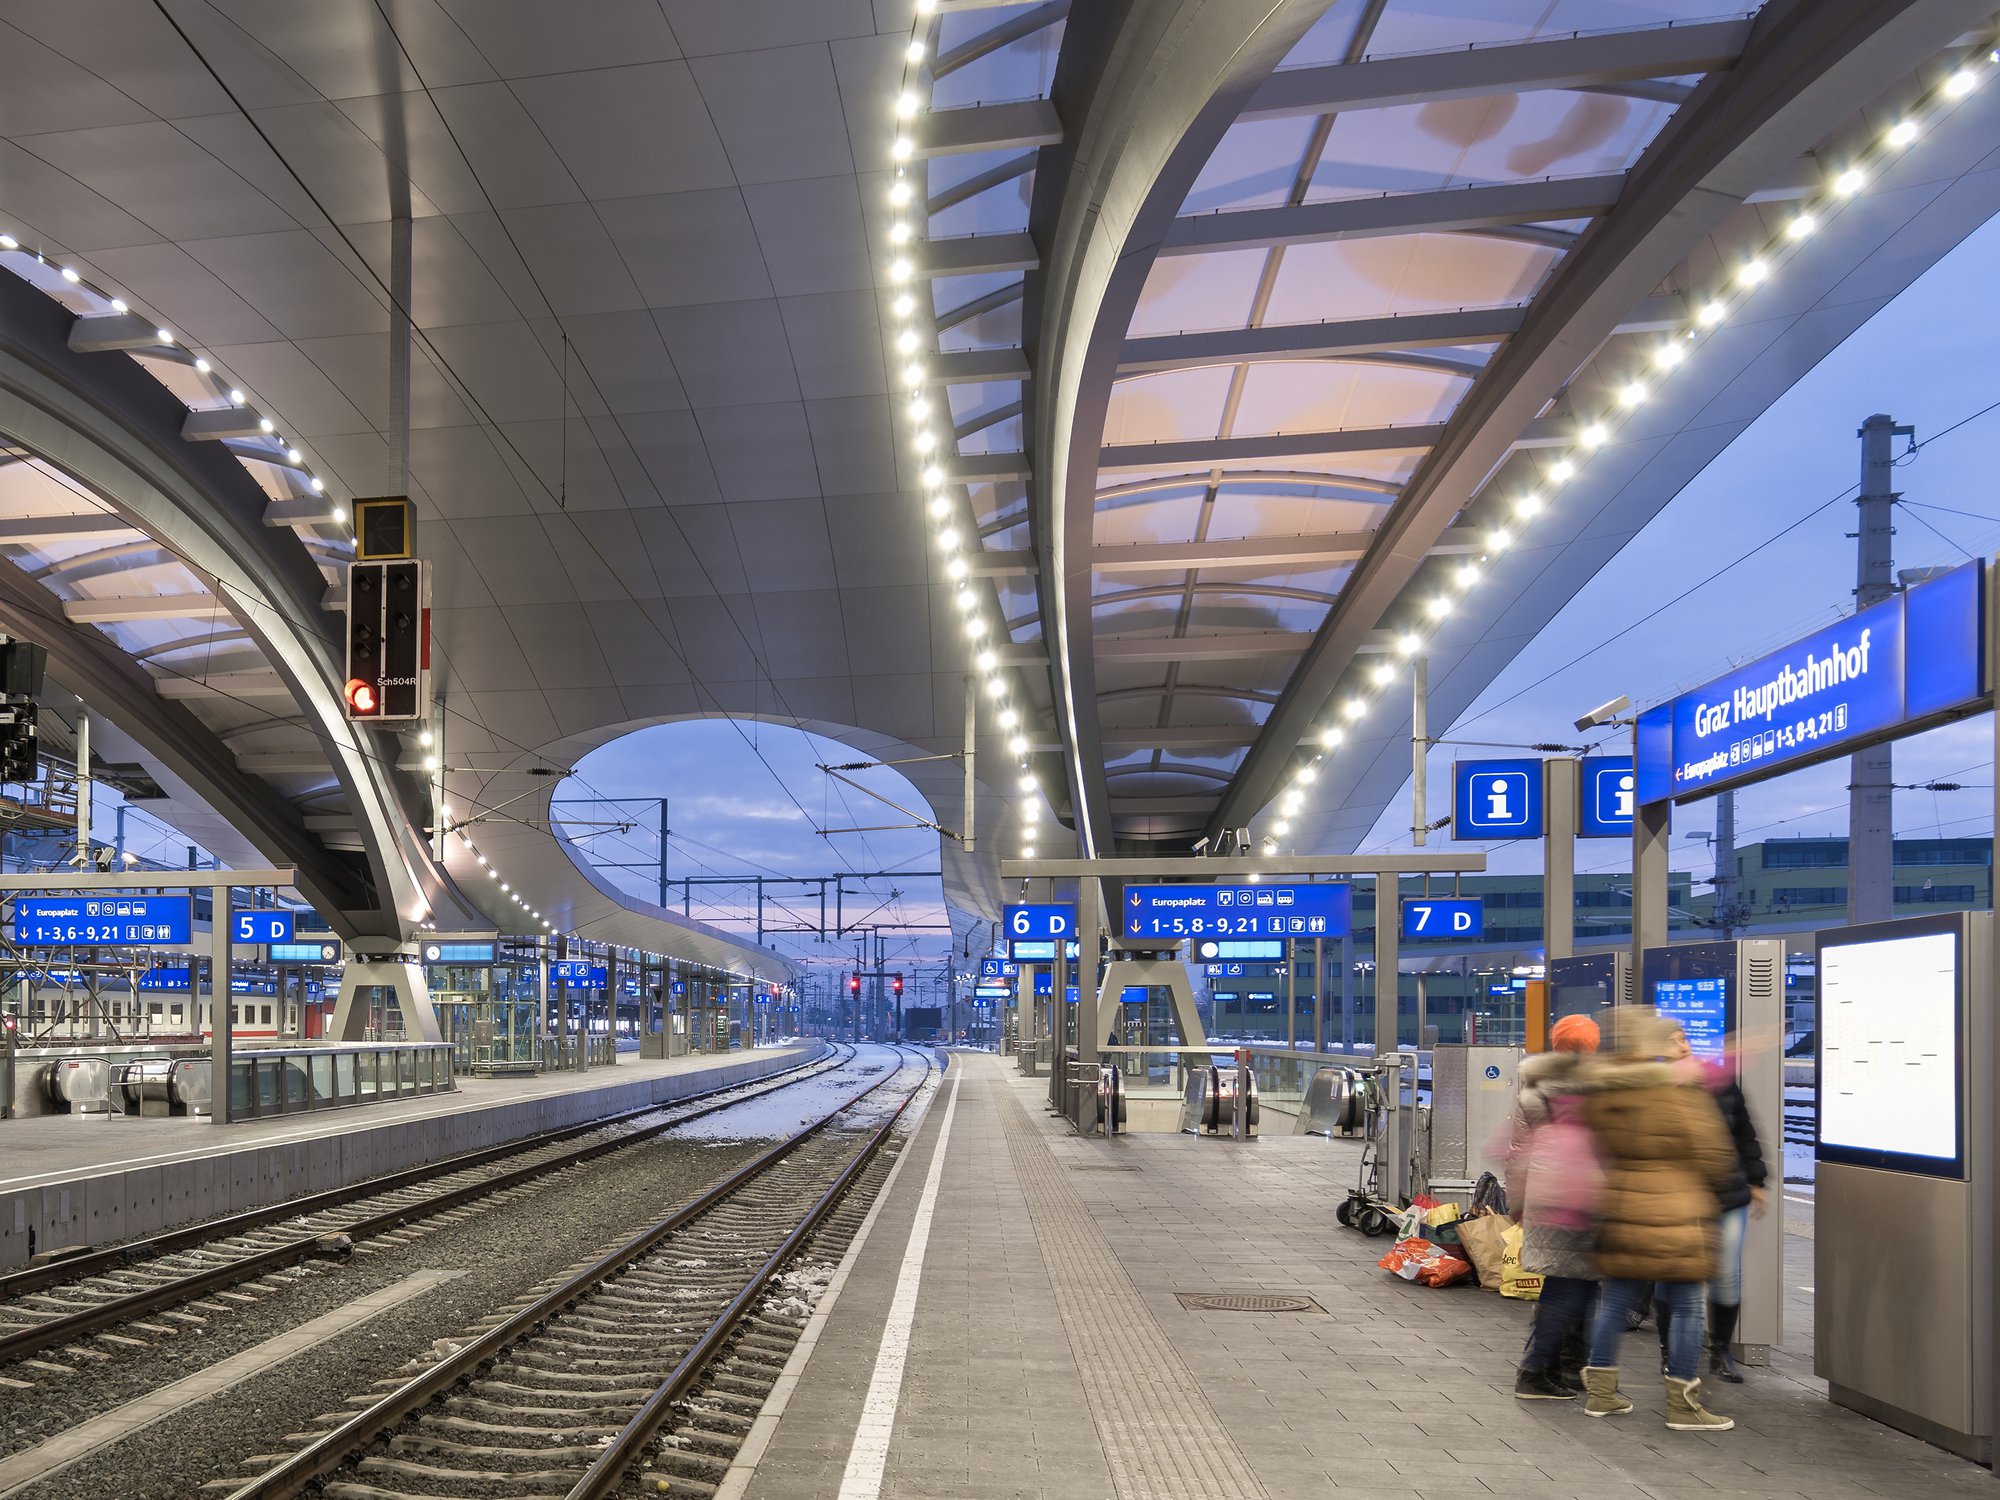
580 972
165 979
1607 797
1200 911
1890 669
1496 799
129 921
1040 922
998 968
1430 917
260 927
1225 971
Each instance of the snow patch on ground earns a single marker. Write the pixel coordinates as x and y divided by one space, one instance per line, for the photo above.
791 1109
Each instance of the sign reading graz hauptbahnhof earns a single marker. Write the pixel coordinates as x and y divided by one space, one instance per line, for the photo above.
1891 669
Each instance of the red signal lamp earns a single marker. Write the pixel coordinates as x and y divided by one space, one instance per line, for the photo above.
361 697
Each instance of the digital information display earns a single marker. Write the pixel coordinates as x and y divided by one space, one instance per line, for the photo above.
1201 911
1889 1076
1039 953
1903 661
1700 1007
129 921
327 952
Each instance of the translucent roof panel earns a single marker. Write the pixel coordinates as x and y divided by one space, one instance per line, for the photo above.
1225 612
1496 138
1255 165
1325 396
1403 273
1174 404
1189 292
1256 510
1022 69
1169 515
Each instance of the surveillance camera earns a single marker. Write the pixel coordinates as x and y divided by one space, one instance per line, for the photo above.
1604 713
1242 838
1201 845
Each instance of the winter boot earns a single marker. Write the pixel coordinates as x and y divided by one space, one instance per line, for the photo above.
1685 1413
1721 1334
1601 1381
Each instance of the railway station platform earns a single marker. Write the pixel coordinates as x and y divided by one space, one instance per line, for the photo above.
1012 1325
69 1180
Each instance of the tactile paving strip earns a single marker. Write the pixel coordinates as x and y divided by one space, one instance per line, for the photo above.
1162 1440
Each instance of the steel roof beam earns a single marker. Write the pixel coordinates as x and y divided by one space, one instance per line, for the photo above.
40 531
1014 126
1250 647
977 366
144 607
974 468
223 422
1568 62
977 255
1250 552
1190 737
1417 436
986 43
1176 351
1484 206
261 685
971 187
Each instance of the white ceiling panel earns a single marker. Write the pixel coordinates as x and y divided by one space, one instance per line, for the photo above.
836 343
521 38
688 247
515 165
807 137
853 445
41 90
623 132
161 177
705 26
811 235
200 305
729 353
343 48
295 283
572 259
760 452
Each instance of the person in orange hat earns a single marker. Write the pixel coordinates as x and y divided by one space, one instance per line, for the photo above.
1554 1182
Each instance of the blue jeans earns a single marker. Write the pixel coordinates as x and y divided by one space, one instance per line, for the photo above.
1564 1305
1684 1304
1727 1288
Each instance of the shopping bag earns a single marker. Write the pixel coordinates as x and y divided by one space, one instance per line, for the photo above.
1425 1263
1525 1286
1482 1236
1443 1214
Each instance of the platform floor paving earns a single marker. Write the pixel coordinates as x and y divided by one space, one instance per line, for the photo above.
1049 1358
61 1148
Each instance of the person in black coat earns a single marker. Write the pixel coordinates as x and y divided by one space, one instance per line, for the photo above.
1743 1197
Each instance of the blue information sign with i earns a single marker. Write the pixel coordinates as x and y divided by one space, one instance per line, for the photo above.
1496 799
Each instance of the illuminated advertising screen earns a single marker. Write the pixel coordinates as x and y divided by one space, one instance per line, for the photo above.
1889 1039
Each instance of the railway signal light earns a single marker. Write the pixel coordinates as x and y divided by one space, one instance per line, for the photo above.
853 984
899 984
388 641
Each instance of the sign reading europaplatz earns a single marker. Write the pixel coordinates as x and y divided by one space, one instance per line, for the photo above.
44 921
1887 670
1183 911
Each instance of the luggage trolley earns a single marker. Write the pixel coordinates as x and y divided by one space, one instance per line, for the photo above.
1394 1135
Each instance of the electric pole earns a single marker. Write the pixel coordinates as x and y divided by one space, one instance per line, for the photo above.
1871 825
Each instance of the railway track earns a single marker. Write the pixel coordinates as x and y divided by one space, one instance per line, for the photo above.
150 1289
640 1372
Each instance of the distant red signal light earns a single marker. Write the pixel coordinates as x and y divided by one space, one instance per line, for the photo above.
361 697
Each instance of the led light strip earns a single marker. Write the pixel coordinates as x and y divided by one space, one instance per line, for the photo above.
167 340
1629 395
955 536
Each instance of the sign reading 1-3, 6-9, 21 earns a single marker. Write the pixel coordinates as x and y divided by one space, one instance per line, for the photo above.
44 921
1195 911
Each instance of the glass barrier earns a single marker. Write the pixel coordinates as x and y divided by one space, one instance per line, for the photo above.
281 1081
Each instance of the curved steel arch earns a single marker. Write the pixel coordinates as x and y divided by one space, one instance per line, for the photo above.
1145 91
106 423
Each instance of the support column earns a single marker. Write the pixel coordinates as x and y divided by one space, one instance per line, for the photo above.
1388 959
1649 886
1561 781
219 1003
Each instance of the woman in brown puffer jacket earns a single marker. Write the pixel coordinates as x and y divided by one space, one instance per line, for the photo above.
1666 1157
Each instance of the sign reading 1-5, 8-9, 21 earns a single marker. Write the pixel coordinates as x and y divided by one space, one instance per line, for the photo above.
1194 911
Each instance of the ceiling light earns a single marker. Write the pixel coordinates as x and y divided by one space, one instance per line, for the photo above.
1330 736
1468 575
1354 708
924 441
900 192
1018 744
964 600
1594 436
919 408
1009 718
899 269
1439 607
1030 785
996 687
292 455
163 335
987 660
907 104
265 424
932 476
70 275
1498 541
236 397
976 626
8 242
1903 132
907 341
1383 675
940 506
1850 182
1307 775
956 567
426 738
1668 355
1751 272
202 366
316 485
1631 394
904 304
1408 643
1961 83
1528 506
1711 313
339 514
1562 469
949 538
899 233
914 52
1802 226
432 763
913 374
904 148
1281 828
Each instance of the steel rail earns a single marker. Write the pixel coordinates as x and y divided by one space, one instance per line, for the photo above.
21 1343
608 1474
336 1448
